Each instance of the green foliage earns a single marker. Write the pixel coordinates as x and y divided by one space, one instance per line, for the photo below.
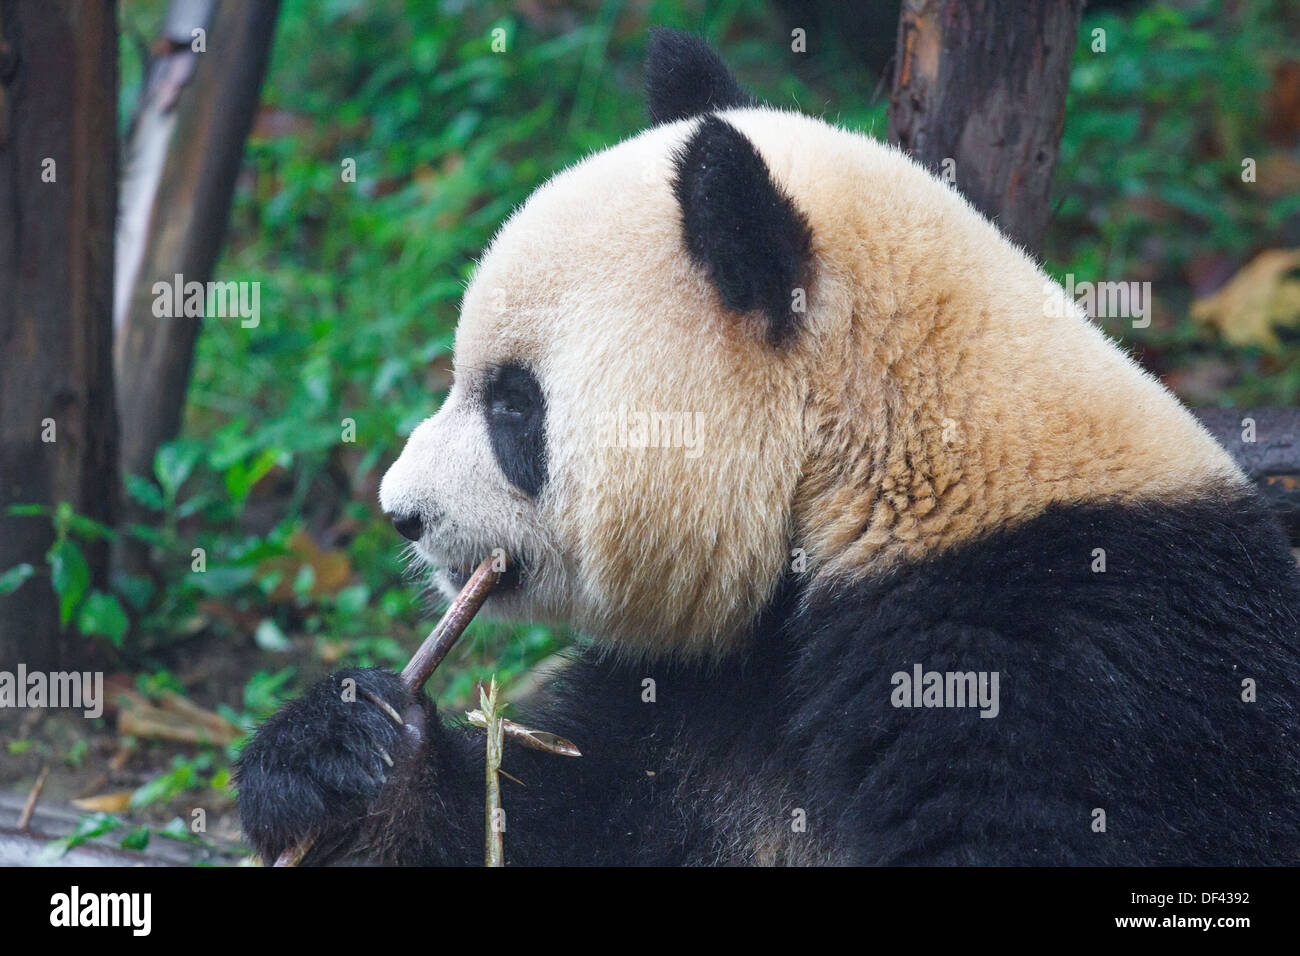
1149 184
264 693
12 579
94 612
87 828
102 615
69 575
186 774
94 825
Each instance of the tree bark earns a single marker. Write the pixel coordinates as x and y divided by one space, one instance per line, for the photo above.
185 153
195 114
979 98
58 185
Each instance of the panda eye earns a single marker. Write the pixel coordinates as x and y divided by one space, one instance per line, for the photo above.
515 411
512 395
509 405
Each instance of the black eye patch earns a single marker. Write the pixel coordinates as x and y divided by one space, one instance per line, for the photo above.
515 412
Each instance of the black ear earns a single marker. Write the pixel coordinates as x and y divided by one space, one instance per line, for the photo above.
740 227
684 78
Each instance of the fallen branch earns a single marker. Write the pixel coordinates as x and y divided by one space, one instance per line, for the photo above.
25 818
172 717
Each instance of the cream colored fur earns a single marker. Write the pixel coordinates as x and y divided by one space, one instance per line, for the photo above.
931 397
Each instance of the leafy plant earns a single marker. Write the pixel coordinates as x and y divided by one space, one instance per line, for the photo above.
95 612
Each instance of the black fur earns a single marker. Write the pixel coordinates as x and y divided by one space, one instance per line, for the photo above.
1118 690
515 409
319 763
740 227
685 78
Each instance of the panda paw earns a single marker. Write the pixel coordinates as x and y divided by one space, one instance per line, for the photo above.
316 766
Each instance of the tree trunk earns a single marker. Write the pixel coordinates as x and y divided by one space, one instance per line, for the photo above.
979 98
185 153
58 184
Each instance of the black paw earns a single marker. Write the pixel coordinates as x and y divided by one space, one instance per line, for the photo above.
315 766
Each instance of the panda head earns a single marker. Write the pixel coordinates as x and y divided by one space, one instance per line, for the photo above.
741 343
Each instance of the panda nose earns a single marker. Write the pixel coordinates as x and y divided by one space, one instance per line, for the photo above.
408 526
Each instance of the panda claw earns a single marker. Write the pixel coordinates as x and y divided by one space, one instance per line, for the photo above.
386 707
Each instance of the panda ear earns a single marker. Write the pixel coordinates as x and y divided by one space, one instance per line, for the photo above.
740 227
685 78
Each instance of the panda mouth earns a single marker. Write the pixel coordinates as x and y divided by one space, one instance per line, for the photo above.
510 579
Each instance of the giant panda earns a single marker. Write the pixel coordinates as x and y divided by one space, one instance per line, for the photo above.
905 461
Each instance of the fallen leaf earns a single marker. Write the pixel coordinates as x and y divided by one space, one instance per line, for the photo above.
1262 295
106 802
331 570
